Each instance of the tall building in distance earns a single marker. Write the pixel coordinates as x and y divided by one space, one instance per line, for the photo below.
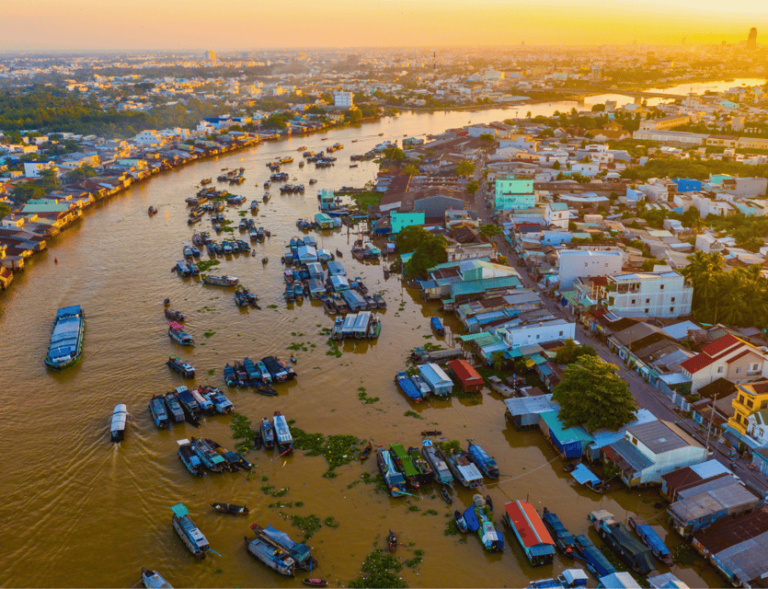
752 39
210 55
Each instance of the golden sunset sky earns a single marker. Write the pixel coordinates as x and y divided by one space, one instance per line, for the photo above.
250 24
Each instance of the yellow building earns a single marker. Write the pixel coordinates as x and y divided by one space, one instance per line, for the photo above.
750 398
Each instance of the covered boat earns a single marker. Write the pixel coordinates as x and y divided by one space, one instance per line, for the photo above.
463 470
267 434
66 344
177 364
408 387
229 376
153 580
394 480
208 456
188 403
158 411
189 458
651 539
564 540
274 558
220 402
479 519
405 465
297 551
174 407
119 417
530 531
436 461
192 537
206 406
282 434
425 474
617 536
485 463
221 280
172 315
437 325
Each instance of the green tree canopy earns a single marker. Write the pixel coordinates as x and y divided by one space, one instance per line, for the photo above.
592 394
490 230
394 154
428 250
571 352
465 168
411 169
487 137
472 186
4 210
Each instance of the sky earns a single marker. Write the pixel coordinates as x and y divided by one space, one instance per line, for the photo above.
71 25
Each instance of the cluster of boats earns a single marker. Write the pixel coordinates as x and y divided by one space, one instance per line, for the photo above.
292 189
244 298
259 374
201 455
186 269
188 405
417 467
276 550
274 434
232 176
277 177
363 325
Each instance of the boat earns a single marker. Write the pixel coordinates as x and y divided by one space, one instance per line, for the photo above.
366 452
392 478
189 404
380 302
276 559
254 374
313 180
266 390
298 291
431 432
408 387
437 325
463 470
153 580
234 461
192 537
221 280
423 388
595 560
206 406
621 540
564 540
172 315
66 344
392 541
177 364
293 359
266 377
220 402
189 458
231 508
151 211
651 539
174 407
208 456
436 461
205 181
299 552
282 434
241 375
374 327
229 376
176 333
480 520
530 531
267 434
425 474
314 582
119 417
158 411
446 495
461 523
483 461
404 464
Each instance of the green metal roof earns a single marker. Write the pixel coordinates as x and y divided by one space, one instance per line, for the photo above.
565 434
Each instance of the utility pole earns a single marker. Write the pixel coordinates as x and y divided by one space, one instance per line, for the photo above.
711 419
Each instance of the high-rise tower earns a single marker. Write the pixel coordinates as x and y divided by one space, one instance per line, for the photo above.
752 39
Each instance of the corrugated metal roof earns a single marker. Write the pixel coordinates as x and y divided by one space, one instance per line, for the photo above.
528 405
571 434
709 469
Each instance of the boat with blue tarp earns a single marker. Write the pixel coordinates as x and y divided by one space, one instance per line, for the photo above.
275 558
394 480
595 560
437 462
620 539
282 434
158 411
569 579
437 325
483 461
208 456
192 537
564 541
267 433
530 531
66 345
297 551
189 404
174 407
479 519
462 469
205 405
229 376
651 539
220 402
406 385
153 580
189 458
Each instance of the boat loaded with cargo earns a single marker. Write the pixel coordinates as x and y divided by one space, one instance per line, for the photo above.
299 552
275 558
66 345
436 461
392 478
404 464
193 538
479 519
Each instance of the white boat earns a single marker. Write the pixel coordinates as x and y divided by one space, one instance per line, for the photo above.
119 417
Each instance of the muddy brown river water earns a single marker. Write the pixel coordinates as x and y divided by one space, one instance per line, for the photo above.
80 511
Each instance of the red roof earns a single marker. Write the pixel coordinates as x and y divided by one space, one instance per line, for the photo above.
528 524
715 351
465 372
693 365
720 345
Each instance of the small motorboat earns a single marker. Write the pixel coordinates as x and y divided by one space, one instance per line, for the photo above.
258 441
293 358
231 508
338 253
151 211
432 432
264 260
461 523
119 417
266 390
489 502
446 495
315 582
153 580
392 539
366 452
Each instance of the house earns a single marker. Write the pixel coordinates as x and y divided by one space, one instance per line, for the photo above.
525 411
727 357
438 381
700 511
557 214
470 251
400 221
687 481
574 263
570 442
33 169
751 410
650 450
661 293
512 193
538 332
343 99
469 379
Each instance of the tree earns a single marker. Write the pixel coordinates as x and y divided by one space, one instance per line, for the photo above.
598 108
428 250
411 169
465 168
472 186
487 137
571 352
556 165
592 394
4 210
394 154
490 230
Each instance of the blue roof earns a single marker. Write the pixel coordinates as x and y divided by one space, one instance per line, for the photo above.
583 475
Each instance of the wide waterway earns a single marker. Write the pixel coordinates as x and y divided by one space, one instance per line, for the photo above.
80 511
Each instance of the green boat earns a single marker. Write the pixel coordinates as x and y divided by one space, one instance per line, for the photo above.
66 345
404 464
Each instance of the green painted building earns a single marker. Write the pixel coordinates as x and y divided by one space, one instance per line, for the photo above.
513 193
402 220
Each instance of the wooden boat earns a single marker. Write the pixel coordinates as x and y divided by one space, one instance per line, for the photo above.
404 464
151 211
446 495
425 474
221 280
392 478
266 390
437 462
174 407
461 523
158 412
483 461
366 452
208 456
176 333
315 582
193 538
177 364
392 540
66 345
462 468
267 434
172 315
229 376
651 539
153 580
300 553
431 432
274 558
119 418
189 458
231 508
338 253
282 434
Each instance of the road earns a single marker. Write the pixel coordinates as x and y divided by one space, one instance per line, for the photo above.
644 394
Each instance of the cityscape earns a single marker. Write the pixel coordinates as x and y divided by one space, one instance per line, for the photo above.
339 310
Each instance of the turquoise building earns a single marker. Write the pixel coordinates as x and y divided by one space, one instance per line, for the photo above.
402 220
512 193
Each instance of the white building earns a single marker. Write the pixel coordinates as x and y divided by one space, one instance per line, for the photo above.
33 169
661 293
538 333
574 264
757 426
343 99
150 136
557 214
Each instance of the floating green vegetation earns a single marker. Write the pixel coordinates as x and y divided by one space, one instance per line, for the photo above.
412 414
352 484
362 394
205 309
294 334
684 555
418 556
334 351
242 430
242 213
338 450
430 512
271 306
211 372
280 504
299 504
309 524
427 336
451 529
430 347
298 347
267 490
378 571
209 333
226 223
206 265
228 229
413 508
330 522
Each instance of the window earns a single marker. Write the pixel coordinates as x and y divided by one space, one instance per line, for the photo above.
633 301
671 309
720 370
750 404
662 288
741 399
647 301
561 333
646 311
738 418
673 299
738 371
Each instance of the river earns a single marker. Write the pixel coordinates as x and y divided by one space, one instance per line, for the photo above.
80 511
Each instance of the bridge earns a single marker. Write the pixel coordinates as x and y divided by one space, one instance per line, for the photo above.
636 94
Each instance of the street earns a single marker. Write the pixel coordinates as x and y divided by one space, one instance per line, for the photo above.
644 394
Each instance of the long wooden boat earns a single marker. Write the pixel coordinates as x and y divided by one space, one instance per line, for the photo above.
66 345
